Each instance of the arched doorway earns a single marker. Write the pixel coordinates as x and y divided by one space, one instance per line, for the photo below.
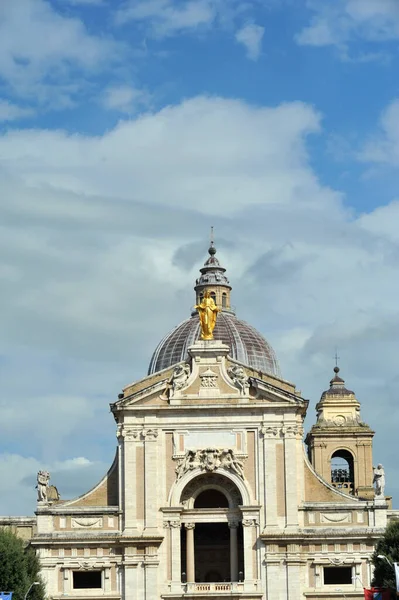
211 537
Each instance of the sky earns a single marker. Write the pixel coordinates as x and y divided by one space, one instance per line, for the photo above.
127 129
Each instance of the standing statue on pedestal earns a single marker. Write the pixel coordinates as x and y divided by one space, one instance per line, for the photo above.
43 478
207 311
379 481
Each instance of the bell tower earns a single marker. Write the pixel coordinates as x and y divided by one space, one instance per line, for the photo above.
340 443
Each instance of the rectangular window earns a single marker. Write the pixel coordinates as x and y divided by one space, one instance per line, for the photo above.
337 575
83 580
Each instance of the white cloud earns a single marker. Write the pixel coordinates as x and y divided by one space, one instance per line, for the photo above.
100 242
250 36
383 147
125 98
19 496
40 48
249 147
85 2
166 17
12 112
343 21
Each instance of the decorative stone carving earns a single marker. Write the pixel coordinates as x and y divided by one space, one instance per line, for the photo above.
130 434
52 494
43 478
149 434
249 522
208 379
292 431
269 431
336 517
189 525
87 523
239 378
172 525
209 459
176 381
379 481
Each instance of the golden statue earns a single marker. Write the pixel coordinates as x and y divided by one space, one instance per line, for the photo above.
207 311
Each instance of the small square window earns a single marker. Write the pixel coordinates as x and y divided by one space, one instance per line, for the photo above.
337 575
83 580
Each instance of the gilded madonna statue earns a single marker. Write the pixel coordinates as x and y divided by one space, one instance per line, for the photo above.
207 311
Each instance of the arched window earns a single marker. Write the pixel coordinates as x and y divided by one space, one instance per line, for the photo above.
224 300
342 472
211 499
213 295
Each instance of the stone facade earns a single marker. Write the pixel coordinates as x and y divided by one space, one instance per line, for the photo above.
212 493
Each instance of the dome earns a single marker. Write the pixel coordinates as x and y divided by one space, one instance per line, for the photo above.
246 344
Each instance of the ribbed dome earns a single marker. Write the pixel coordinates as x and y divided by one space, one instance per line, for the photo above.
246 344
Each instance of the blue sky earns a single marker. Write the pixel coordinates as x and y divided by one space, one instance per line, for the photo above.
128 128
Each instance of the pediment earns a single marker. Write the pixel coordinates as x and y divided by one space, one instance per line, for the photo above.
209 377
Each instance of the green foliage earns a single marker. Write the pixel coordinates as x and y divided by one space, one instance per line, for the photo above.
388 545
19 567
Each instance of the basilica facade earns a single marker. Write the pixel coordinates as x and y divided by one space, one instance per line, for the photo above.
213 492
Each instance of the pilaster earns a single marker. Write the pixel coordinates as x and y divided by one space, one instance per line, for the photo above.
290 433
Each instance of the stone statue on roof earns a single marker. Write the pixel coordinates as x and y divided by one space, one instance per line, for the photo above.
43 478
379 481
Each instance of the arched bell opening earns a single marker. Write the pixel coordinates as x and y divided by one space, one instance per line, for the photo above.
212 548
342 471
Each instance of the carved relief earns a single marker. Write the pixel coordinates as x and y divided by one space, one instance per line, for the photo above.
87 523
250 522
336 517
269 431
177 381
171 524
149 434
131 435
209 459
239 378
209 379
292 431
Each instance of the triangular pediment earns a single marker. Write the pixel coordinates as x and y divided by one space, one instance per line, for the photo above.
210 378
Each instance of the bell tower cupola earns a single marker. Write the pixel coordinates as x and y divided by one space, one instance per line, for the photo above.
340 443
213 278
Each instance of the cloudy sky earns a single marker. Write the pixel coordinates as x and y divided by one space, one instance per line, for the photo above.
128 128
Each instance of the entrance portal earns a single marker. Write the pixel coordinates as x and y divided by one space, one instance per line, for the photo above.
212 552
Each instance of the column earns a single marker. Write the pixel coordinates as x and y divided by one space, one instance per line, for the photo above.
190 557
233 552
